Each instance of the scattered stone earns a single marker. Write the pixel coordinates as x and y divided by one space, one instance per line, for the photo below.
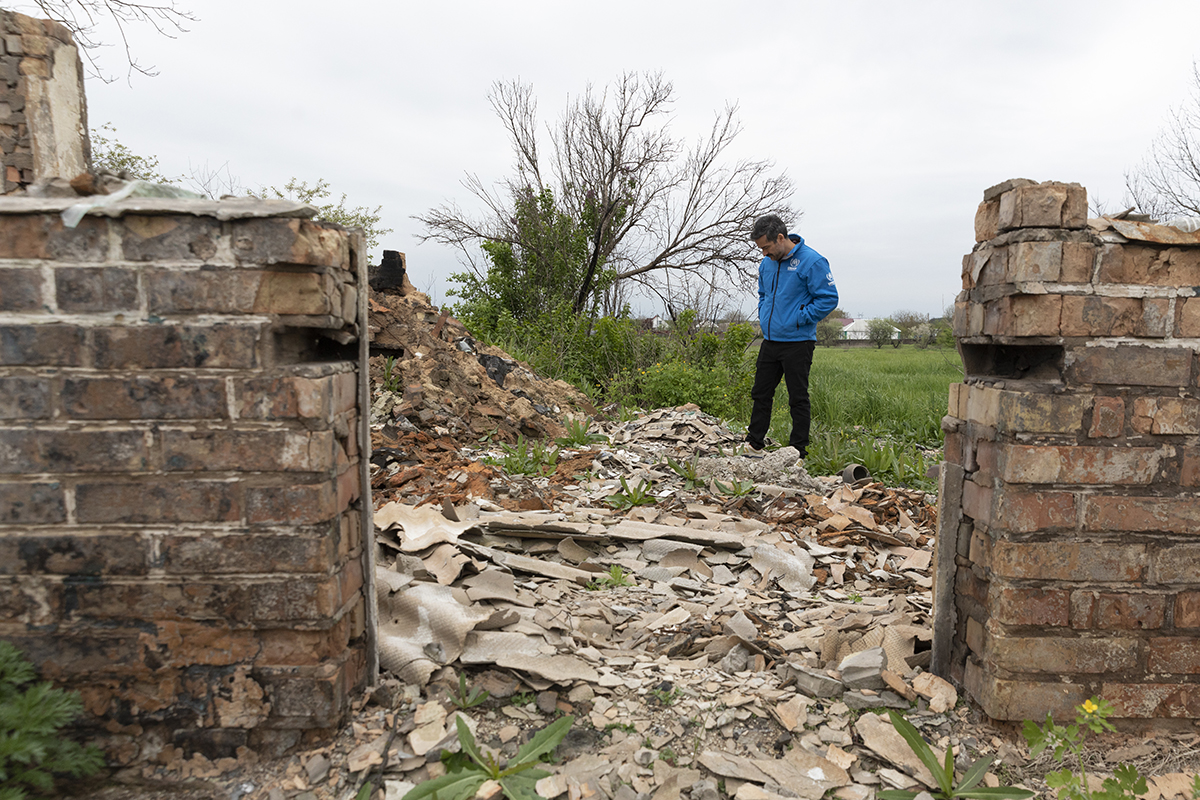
863 670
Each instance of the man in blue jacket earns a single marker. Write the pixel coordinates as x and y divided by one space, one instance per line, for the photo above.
795 292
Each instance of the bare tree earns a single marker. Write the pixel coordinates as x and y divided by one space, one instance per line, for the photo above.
906 321
651 206
82 17
1167 182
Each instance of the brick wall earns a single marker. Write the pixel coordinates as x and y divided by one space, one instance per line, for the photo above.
181 496
43 114
1068 564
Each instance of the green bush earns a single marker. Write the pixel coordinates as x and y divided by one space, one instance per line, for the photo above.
32 751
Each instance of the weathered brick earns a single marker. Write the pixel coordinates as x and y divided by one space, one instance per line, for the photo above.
952 448
164 238
205 553
1069 561
40 450
1152 700
983 405
247 451
292 647
1077 262
1156 318
21 290
24 397
987 266
1044 205
286 397
1176 564
1187 609
987 220
980 549
313 699
975 636
956 406
145 397
1110 611
968 584
1061 655
1035 261
162 346
32 504
289 241
76 554
298 505
200 290
1189 466
83 289
295 293
1108 418
348 488
1002 698
1130 365
1187 317
977 501
185 644
1024 512
1177 654
1035 412
1158 514
44 237
345 392
178 501
1081 465
1091 315
1024 605
1024 315
1166 415
52 345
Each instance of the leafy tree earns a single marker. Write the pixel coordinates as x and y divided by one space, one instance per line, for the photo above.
1167 182
907 322
880 332
357 217
650 206
81 17
829 331
108 154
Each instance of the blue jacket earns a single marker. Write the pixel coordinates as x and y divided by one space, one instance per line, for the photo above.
795 294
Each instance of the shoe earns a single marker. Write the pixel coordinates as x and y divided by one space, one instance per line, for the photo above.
753 446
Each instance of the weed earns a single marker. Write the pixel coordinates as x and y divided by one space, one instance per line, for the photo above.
735 488
687 471
665 697
526 458
616 577
464 699
628 498
522 699
620 726
855 597
1091 717
577 434
467 771
391 380
668 755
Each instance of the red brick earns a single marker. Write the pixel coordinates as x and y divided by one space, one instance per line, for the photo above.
165 238
1044 205
1024 315
987 461
307 697
1175 564
76 554
1077 262
1156 317
345 392
59 451
293 648
952 448
247 450
287 397
1024 512
32 504
1081 465
987 220
298 505
182 501
966 584
194 290
1092 315
24 397
975 636
1176 654
182 643
289 241
980 552
1187 314
1189 468
977 501
1006 699
1131 365
1166 415
1125 611
173 346
44 237
1158 514
1069 561
1023 605
84 289
1037 412
1034 261
348 489
1152 700
1187 610
1061 655
51 345
205 553
145 397
21 290
1108 418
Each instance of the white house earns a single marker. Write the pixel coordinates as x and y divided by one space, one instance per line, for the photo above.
858 329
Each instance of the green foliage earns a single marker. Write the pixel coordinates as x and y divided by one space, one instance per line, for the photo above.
392 381
109 154
467 771
616 577
665 697
357 217
894 463
521 699
32 751
687 471
943 773
829 331
526 458
464 699
735 488
578 435
1090 718
628 498
880 332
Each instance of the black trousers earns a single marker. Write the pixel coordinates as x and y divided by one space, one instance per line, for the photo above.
792 362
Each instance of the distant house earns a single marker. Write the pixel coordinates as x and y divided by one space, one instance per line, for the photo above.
858 329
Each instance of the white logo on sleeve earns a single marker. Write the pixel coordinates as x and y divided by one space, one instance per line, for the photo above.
830 278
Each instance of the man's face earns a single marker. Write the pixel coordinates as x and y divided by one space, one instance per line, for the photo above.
776 248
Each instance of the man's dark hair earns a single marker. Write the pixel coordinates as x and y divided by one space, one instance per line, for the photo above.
770 226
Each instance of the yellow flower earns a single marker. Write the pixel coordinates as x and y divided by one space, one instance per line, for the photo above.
1089 707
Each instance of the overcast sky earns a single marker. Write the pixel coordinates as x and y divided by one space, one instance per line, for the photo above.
891 118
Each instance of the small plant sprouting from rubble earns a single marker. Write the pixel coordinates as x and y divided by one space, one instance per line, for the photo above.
465 699
391 379
944 774
687 471
1126 784
578 435
616 577
665 697
628 498
466 771
526 458
735 488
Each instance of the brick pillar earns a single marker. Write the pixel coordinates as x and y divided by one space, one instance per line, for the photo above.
43 114
1068 563
182 512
